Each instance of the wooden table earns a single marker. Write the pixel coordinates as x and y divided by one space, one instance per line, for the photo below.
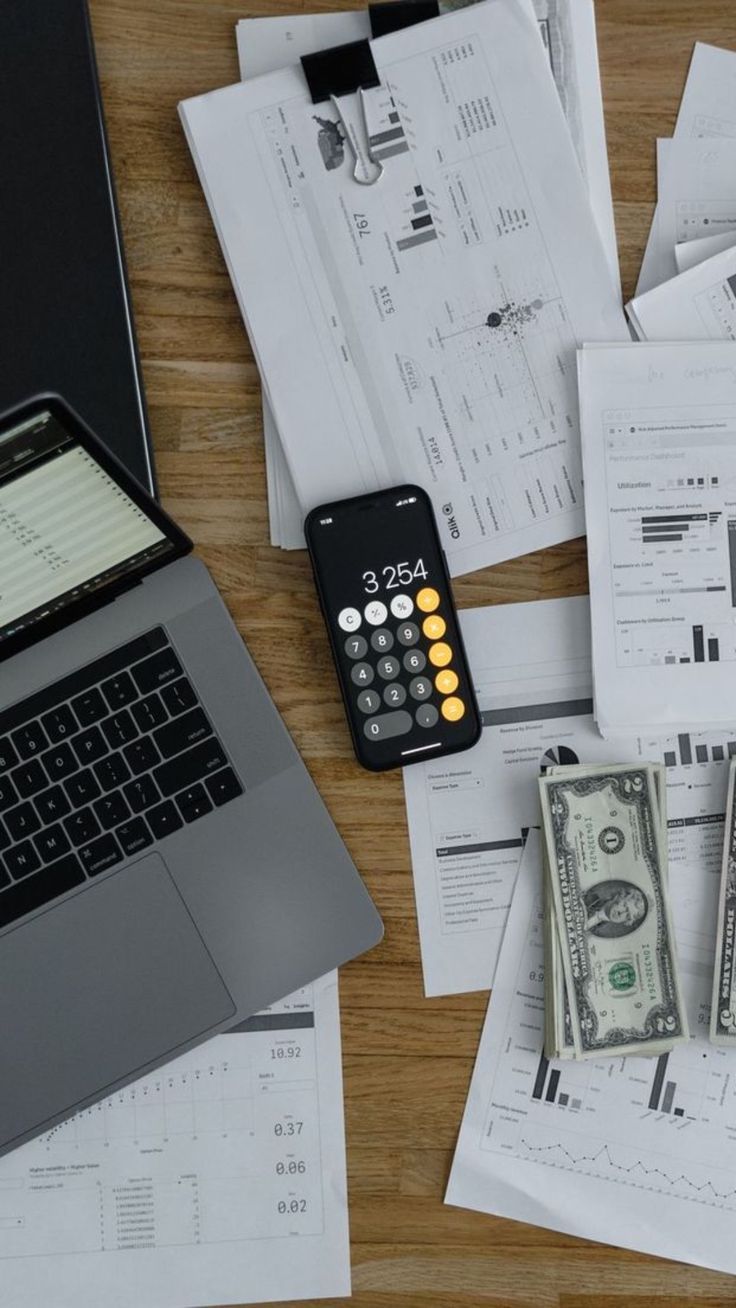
407 1060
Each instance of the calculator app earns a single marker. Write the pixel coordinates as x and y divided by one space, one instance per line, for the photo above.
393 627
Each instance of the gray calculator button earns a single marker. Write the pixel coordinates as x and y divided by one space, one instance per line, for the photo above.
408 633
388 724
420 688
368 701
389 668
362 674
394 695
427 715
382 640
414 660
356 647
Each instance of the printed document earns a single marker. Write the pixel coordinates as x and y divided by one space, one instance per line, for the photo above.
468 814
659 447
427 325
218 1179
697 305
567 30
635 1152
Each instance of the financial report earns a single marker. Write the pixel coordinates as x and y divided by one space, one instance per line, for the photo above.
469 815
659 445
567 30
218 1179
636 1152
428 324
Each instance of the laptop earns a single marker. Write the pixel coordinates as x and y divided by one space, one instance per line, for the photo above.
65 311
167 866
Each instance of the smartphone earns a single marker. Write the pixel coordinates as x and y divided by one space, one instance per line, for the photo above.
384 589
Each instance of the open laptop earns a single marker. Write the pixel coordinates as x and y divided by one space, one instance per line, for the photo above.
166 864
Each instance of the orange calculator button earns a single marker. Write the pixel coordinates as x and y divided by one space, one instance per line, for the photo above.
446 681
440 654
428 600
434 626
453 709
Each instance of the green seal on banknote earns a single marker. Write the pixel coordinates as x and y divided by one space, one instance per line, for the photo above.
621 976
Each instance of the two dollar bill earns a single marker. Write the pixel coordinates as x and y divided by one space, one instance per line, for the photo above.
612 984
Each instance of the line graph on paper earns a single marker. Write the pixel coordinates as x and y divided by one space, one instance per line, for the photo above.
214 1097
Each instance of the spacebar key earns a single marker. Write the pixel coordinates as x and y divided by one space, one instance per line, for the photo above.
189 767
32 892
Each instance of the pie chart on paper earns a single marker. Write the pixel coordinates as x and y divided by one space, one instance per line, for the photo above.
557 755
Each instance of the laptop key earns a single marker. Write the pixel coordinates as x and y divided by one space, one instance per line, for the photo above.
120 729
20 861
134 835
185 769
119 690
30 740
59 762
156 671
164 819
89 707
141 793
82 788
149 712
141 755
223 787
52 804
112 771
111 810
52 843
59 723
100 854
193 803
29 778
54 880
182 732
22 821
179 696
82 826
8 793
89 746
8 755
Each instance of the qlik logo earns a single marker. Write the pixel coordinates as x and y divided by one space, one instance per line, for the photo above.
451 521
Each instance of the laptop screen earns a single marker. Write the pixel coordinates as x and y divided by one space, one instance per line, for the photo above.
68 528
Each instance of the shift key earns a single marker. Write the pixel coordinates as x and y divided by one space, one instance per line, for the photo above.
187 768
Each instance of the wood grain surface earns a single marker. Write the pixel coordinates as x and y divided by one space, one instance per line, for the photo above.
407 1060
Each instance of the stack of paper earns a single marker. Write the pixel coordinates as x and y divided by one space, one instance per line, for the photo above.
424 328
567 30
696 179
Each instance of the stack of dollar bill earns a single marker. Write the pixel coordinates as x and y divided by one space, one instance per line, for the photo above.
611 979
723 1006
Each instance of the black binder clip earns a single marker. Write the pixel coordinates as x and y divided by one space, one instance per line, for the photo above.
347 69
343 70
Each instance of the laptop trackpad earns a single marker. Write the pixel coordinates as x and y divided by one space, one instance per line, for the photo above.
96 988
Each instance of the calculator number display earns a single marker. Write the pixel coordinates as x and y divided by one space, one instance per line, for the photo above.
394 575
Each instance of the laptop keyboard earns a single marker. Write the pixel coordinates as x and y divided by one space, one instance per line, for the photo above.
99 766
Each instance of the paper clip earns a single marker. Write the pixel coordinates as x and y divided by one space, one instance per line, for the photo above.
362 181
